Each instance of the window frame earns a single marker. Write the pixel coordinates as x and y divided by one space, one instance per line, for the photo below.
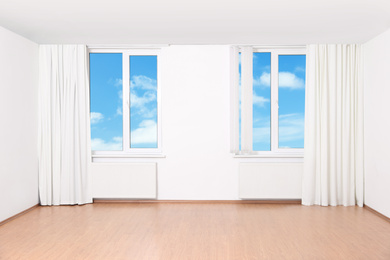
126 150
275 151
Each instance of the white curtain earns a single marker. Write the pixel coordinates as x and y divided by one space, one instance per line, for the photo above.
64 129
234 100
333 167
246 99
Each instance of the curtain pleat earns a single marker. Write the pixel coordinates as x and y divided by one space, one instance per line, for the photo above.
64 129
333 171
246 99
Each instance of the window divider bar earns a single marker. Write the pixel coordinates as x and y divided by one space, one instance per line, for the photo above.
126 101
159 102
275 101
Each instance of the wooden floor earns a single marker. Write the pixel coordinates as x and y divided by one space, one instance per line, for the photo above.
195 231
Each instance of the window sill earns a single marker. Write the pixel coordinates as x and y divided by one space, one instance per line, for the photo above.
268 156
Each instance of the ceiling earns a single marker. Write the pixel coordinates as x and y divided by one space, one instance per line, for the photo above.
282 22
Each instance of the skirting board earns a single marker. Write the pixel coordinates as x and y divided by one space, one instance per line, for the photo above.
18 215
200 201
377 213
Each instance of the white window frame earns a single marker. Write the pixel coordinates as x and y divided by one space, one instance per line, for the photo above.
127 151
275 150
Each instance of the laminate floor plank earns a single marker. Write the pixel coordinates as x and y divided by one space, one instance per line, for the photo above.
195 231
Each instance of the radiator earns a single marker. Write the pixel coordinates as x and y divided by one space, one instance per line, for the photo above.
270 180
124 180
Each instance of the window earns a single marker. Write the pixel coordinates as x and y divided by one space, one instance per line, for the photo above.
125 102
271 101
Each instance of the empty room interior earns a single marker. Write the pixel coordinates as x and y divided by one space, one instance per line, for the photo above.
195 129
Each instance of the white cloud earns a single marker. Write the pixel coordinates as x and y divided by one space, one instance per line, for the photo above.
118 82
286 80
96 117
290 80
259 100
98 144
263 80
140 102
146 112
117 139
143 82
119 111
143 92
146 133
291 127
288 115
261 134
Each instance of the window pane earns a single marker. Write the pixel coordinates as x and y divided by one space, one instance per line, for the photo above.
261 101
292 69
143 101
106 101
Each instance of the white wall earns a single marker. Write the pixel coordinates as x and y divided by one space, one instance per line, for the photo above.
196 125
195 128
18 131
377 123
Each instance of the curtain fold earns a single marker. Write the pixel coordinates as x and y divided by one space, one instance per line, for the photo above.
64 125
333 167
246 100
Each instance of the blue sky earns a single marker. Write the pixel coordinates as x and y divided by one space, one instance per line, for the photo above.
106 101
291 101
143 100
261 101
292 69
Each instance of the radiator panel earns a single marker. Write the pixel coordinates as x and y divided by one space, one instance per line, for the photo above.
270 180
124 181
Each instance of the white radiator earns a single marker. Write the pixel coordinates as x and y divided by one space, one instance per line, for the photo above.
270 180
124 180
